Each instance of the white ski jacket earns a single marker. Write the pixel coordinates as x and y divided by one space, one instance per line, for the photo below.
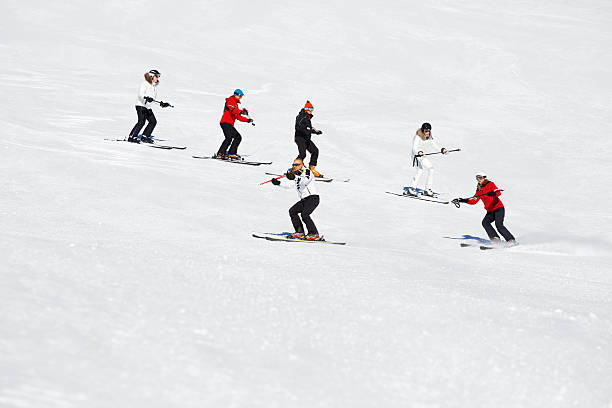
420 143
304 183
146 89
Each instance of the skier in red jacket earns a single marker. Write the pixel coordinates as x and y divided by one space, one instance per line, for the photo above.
488 192
230 114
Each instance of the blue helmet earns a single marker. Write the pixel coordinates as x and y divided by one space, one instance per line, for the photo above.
238 92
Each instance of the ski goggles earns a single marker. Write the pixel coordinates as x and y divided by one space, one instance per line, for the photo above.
309 109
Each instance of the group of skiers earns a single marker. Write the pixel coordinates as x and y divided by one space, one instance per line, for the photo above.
303 177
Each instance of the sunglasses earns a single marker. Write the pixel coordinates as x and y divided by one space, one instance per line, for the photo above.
479 177
295 164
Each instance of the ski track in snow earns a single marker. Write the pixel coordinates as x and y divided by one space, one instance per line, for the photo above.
129 277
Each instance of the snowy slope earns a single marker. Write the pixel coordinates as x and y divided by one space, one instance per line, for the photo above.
129 276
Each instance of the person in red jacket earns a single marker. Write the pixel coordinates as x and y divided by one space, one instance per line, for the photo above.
231 112
488 193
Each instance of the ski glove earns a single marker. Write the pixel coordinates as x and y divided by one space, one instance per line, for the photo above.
289 175
492 193
275 182
420 153
148 99
461 200
164 104
317 132
244 112
444 151
249 120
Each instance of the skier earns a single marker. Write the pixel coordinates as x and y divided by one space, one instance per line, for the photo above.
486 191
230 114
146 95
422 143
303 133
304 180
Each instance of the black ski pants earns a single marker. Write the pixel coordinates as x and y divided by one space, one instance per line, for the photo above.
305 206
144 114
498 217
304 144
231 137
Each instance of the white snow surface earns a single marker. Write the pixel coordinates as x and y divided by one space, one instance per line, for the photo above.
129 277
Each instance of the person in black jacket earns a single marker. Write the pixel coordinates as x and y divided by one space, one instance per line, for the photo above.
303 133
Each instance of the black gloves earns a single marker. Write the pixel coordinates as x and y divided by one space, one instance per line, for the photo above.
164 104
443 151
244 112
317 132
460 200
275 182
148 99
249 120
492 193
289 175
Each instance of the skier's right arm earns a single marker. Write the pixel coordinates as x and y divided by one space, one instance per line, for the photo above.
142 94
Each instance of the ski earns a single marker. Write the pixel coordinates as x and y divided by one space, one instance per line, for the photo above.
285 238
422 198
166 147
323 179
246 162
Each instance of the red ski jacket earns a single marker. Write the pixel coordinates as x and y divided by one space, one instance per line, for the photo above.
231 111
490 203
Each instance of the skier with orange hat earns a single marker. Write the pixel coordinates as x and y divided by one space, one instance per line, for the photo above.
303 132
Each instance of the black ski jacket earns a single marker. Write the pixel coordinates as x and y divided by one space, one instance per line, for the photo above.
303 127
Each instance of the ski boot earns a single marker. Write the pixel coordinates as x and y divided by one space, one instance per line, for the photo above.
511 243
314 237
411 191
429 192
314 172
146 139
235 156
133 139
221 156
296 235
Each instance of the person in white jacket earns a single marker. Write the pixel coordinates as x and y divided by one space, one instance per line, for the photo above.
422 143
147 95
304 182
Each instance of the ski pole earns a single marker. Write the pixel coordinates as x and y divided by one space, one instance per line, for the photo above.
275 178
458 204
448 151
415 160
171 106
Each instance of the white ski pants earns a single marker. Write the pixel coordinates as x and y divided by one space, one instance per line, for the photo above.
424 165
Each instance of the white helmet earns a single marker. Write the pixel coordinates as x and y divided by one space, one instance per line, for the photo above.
482 174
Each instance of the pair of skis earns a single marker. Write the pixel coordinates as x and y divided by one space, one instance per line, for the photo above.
323 179
485 246
284 237
421 197
154 145
236 161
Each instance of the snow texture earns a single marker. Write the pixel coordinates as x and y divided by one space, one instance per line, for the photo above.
129 276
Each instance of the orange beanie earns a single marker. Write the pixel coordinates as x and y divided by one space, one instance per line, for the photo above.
308 105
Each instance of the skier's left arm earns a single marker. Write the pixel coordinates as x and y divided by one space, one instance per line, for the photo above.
493 192
437 147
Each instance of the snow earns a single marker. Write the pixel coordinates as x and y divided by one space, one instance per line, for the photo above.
129 276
